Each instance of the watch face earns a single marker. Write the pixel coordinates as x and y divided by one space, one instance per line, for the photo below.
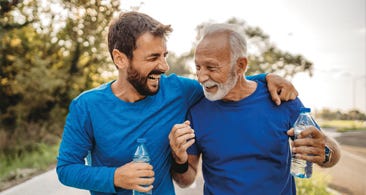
327 154
327 150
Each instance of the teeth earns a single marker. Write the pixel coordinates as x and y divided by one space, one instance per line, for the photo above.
154 76
209 84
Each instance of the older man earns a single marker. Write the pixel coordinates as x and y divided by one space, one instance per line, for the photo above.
240 133
104 123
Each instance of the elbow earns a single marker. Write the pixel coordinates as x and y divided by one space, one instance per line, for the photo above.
61 174
185 184
183 181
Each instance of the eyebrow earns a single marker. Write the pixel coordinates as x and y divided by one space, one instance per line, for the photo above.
156 54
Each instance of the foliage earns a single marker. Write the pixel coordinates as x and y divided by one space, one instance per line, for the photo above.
180 64
264 56
49 53
19 168
343 125
354 114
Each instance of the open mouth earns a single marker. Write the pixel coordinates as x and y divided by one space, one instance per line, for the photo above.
154 76
209 86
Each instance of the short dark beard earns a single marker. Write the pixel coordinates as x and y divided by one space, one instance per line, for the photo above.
139 82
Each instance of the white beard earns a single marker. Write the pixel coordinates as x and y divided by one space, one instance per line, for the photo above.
223 88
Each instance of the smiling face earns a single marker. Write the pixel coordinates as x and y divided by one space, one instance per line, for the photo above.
213 65
147 64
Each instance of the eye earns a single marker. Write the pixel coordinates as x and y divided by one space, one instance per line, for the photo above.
198 67
211 68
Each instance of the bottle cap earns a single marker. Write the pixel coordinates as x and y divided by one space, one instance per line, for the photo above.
141 140
304 109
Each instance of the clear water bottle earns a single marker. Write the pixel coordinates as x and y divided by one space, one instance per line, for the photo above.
141 155
302 168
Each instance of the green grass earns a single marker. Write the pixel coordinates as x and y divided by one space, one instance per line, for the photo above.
344 125
27 165
316 185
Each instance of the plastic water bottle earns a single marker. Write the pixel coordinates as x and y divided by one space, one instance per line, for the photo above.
302 168
141 155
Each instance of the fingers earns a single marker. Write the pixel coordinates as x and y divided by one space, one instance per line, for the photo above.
311 131
309 142
290 132
180 129
180 135
141 188
143 169
308 150
309 145
313 159
145 181
141 166
134 174
288 92
312 154
274 94
181 138
144 177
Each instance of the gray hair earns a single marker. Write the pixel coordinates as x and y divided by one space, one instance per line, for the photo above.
238 43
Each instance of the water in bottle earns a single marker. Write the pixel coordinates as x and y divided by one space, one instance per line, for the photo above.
141 155
302 168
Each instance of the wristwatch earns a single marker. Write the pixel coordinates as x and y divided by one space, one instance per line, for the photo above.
328 154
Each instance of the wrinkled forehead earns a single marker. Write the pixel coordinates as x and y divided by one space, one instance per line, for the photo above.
215 45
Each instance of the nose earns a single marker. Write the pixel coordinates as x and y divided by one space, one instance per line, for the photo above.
163 65
202 75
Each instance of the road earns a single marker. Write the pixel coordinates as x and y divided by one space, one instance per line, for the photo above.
48 184
347 177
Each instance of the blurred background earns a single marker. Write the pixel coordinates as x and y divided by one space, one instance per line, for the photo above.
51 50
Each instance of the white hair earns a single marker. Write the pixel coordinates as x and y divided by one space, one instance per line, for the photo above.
238 43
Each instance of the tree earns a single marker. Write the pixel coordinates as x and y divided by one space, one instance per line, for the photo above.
180 64
266 57
49 54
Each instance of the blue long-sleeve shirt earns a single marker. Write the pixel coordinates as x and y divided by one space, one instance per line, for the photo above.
107 127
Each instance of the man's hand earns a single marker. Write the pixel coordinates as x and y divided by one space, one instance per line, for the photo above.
181 137
280 88
134 176
309 145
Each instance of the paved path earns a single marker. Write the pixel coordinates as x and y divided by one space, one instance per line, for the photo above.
348 176
45 184
48 184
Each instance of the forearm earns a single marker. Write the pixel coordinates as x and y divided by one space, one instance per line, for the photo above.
185 179
258 77
336 152
184 176
86 177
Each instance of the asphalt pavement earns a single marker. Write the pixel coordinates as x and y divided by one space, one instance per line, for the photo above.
347 177
48 184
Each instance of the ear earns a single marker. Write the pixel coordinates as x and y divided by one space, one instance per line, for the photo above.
119 59
241 64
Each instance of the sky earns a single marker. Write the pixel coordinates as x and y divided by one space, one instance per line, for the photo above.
329 33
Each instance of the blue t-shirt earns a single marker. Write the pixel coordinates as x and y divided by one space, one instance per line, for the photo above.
244 144
102 125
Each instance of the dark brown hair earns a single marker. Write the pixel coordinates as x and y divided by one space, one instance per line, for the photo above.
128 27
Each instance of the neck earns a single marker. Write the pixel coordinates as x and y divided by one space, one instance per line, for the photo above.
242 89
125 91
